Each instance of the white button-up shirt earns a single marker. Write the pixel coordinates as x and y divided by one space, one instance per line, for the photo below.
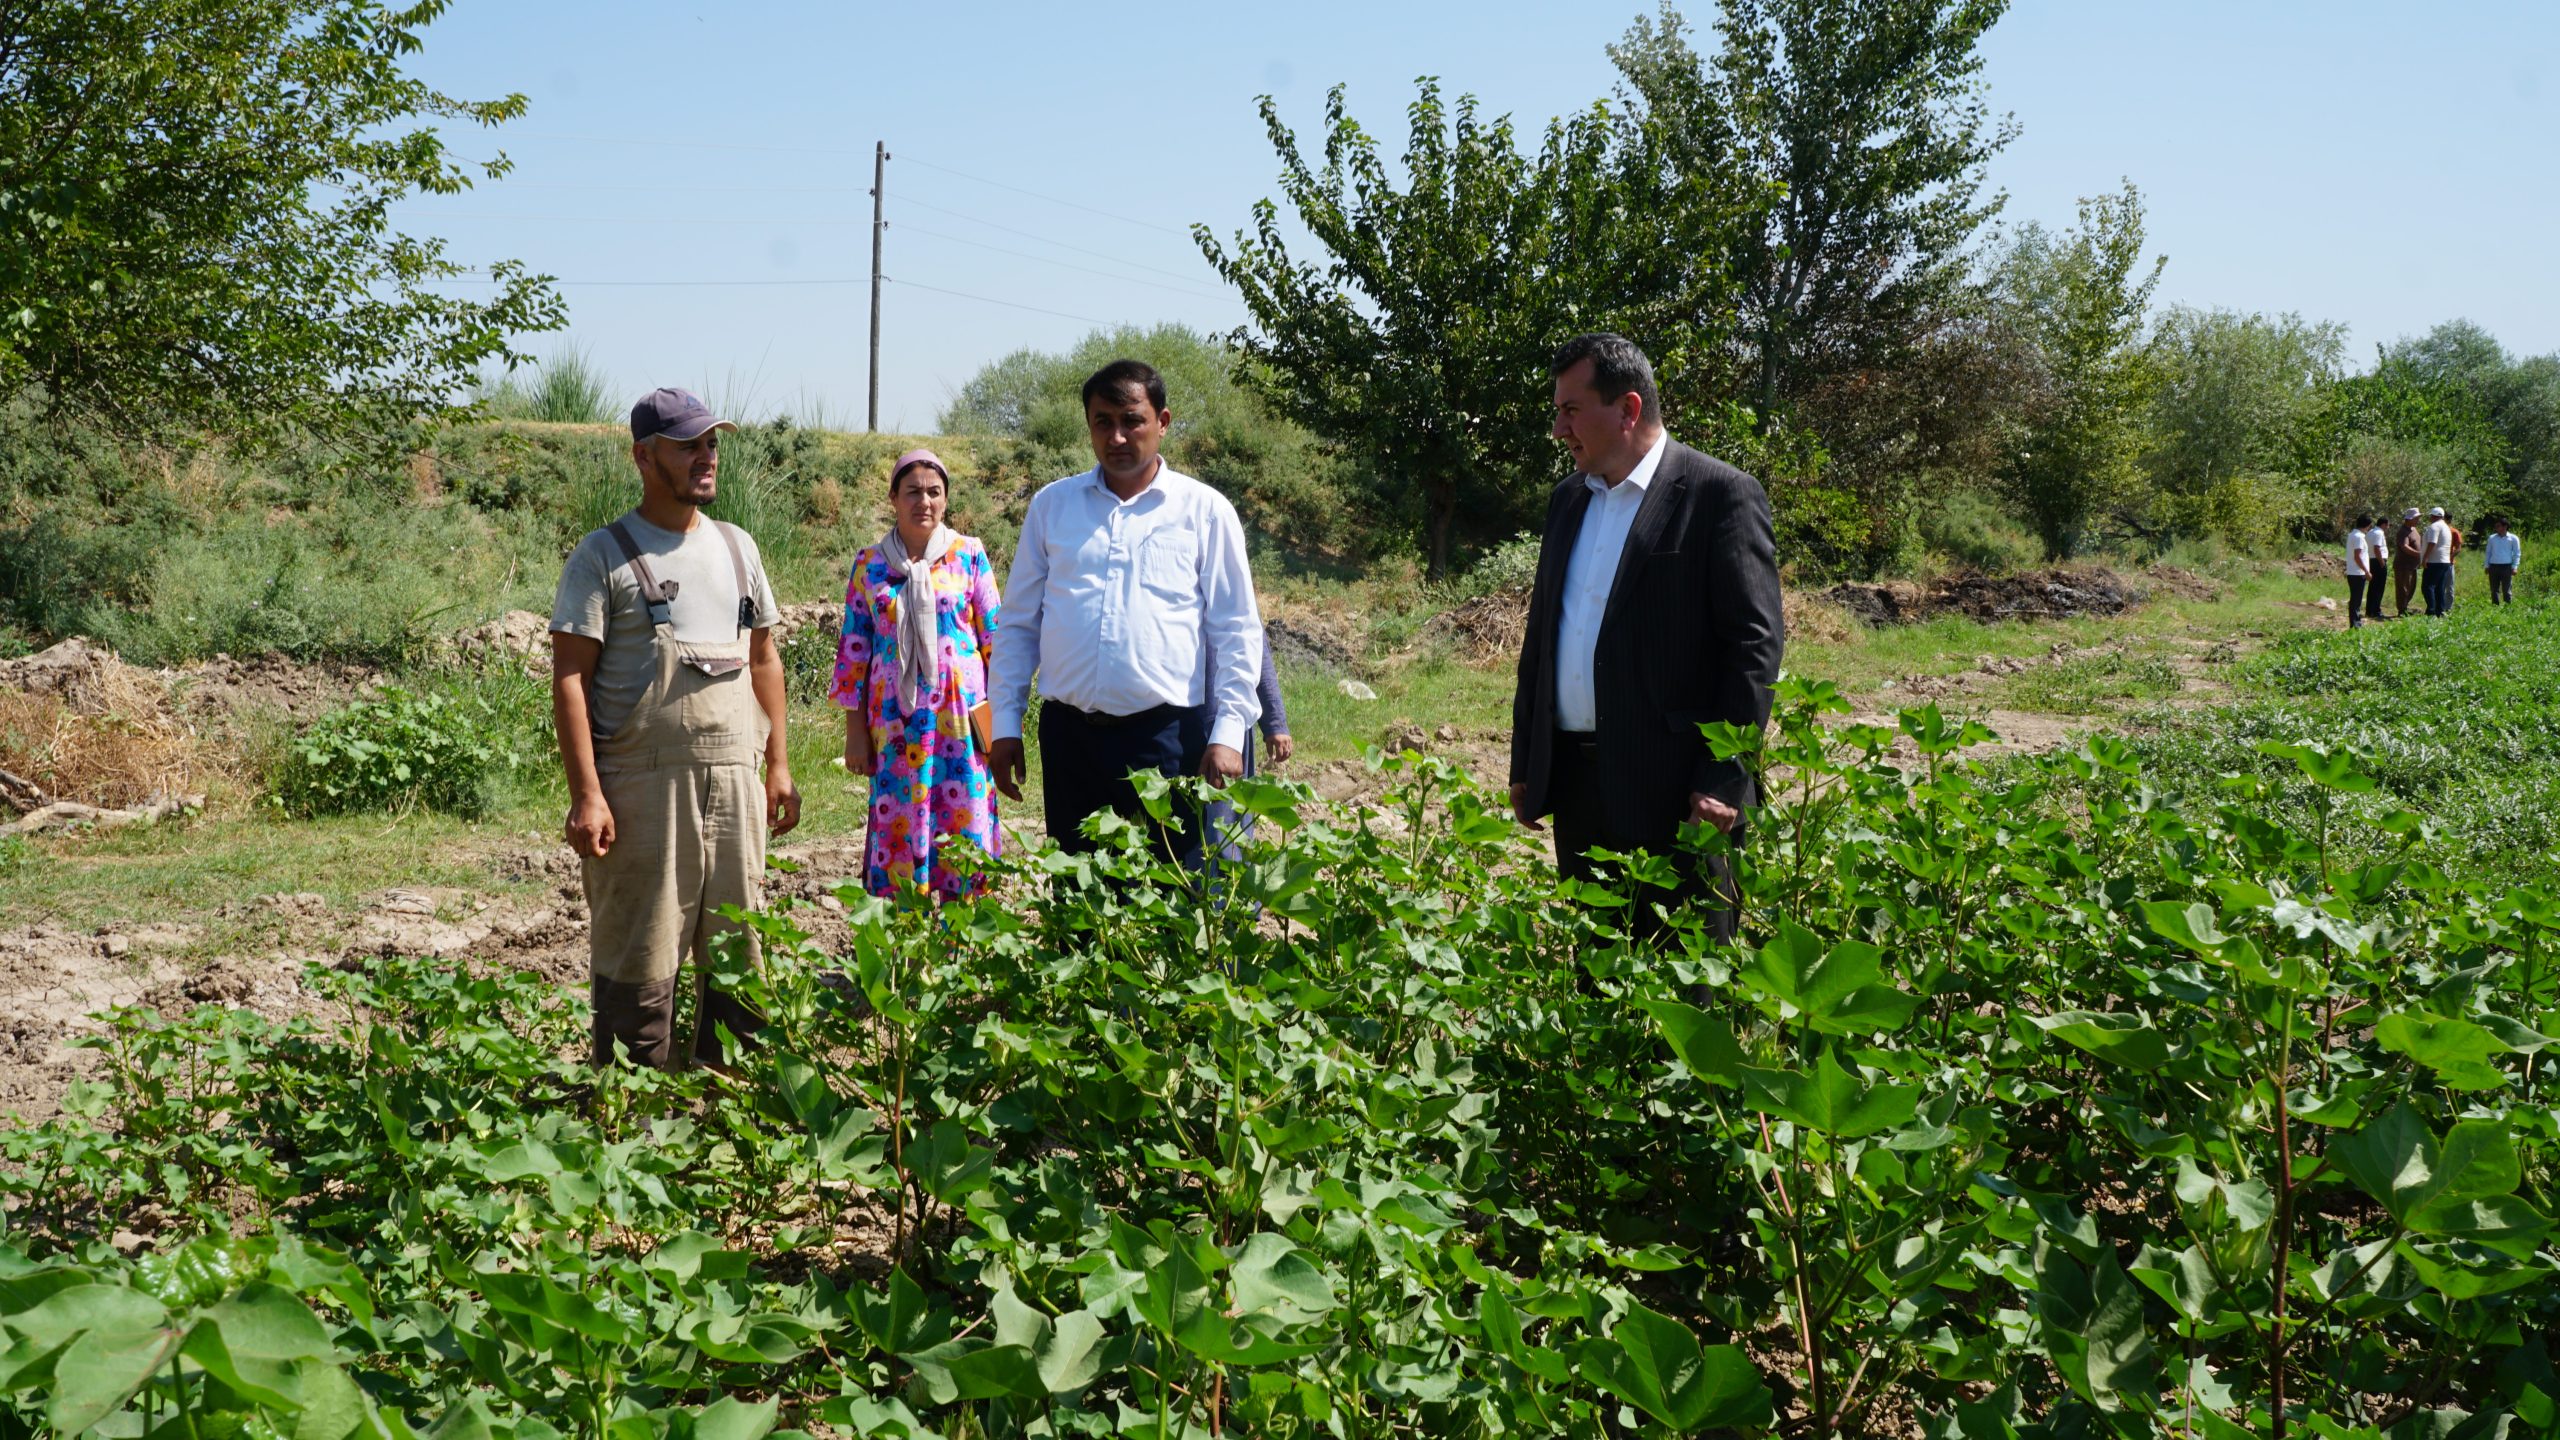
1121 605
1590 572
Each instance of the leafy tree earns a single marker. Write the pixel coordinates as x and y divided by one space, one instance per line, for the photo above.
1420 343
1860 127
2235 420
2080 298
2519 399
2402 436
194 218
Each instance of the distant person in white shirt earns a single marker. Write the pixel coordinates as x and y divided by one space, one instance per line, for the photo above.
2360 568
2377 567
1131 604
2502 552
2438 554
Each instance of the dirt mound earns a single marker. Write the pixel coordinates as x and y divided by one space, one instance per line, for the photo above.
1310 640
221 693
2179 581
826 616
78 724
1488 628
2037 595
521 636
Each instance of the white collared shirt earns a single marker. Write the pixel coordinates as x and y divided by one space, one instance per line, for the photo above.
2355 553
1121 605
2439 543
1590 572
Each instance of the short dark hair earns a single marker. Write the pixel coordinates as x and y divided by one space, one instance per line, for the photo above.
1617 367
1121 375
2364 521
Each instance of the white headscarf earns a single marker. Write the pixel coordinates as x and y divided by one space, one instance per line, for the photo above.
919 637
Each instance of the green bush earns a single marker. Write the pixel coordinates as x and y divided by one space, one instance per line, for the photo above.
1977 534
403 751
1509 566
348 582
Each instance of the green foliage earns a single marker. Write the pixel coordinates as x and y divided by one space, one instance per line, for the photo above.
1419 343
568 388
2034 1097
2235 424
194 227
351 582
444 750
1508 568
2452 718
2518 398
1972 531
1859 132
2080 298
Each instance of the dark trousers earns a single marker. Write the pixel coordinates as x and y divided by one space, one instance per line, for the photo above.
2502 584
2373 594
2404 583
1581 822
643 1017
1085 762
2438 583
2355 601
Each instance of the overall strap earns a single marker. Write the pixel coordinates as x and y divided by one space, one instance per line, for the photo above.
659 597
738 563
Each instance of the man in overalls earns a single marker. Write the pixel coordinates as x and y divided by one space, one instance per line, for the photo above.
667 692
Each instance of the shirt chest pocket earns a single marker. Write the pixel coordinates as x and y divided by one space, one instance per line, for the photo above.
1169 564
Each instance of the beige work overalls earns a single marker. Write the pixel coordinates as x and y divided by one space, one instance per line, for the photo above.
682 778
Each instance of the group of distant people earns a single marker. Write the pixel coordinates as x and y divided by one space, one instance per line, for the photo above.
1127 636
2417 557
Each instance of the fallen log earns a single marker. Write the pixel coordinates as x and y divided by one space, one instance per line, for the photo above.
22 793
62 813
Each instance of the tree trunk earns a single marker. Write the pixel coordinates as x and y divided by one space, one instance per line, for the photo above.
1444 522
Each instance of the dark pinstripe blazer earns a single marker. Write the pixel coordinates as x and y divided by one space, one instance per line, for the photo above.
1693 632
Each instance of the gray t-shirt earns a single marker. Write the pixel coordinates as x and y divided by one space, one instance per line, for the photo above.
600 599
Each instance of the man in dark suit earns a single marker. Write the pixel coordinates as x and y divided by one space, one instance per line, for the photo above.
1656 610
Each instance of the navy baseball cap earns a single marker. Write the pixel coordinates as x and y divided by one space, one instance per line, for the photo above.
674 415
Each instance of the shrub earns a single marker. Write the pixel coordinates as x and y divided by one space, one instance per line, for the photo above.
436 752
1975 533
1508 567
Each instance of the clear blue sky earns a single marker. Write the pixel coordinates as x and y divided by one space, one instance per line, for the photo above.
2351 160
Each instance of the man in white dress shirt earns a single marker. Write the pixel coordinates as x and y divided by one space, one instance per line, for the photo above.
1131 603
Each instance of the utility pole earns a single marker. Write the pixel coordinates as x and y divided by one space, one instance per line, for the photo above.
879 186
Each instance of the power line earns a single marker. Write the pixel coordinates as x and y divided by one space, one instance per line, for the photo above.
829 150
485 280
656 144
511 183
676 220
1052 199
1043 239
991 300
1062 264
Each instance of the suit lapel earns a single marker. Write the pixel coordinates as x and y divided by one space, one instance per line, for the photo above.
1670 481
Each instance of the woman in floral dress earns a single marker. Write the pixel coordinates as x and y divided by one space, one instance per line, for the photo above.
911 672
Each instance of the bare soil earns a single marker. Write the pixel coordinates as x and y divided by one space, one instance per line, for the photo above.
2035 595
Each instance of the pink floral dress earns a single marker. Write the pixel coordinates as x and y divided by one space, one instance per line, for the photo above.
933 805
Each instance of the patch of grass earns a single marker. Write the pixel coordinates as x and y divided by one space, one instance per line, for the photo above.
2257 603
1329 725
119 878
2091 684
